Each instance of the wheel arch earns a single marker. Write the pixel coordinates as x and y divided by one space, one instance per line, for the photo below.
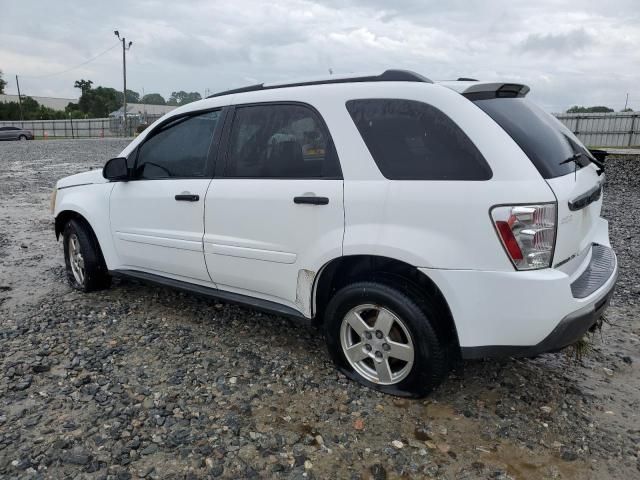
65 216
347 269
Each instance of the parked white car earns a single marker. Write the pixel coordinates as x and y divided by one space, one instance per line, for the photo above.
415 222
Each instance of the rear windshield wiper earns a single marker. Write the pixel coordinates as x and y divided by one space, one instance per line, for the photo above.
576 156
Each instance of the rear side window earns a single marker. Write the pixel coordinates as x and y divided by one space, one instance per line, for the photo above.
545 140
280 141
411 140
179 149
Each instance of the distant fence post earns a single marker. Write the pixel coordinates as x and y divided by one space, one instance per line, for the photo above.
632 131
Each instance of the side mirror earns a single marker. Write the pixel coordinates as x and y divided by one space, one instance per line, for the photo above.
116 169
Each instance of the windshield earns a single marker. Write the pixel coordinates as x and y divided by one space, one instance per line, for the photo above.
545 140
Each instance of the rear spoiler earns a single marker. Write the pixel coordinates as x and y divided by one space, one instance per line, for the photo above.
484 91
474 90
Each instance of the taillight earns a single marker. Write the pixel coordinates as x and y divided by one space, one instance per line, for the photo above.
528 233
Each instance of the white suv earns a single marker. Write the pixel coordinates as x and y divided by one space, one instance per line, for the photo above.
415 222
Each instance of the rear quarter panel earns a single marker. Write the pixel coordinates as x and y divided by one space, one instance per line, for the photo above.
434 224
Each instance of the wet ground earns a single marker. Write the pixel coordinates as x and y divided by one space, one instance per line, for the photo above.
140 381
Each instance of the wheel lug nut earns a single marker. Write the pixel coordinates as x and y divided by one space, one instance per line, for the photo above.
368 335
367 347
378 354
379 334
386 347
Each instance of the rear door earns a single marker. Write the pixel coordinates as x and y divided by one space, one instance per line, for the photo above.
157 219
575 183
274 213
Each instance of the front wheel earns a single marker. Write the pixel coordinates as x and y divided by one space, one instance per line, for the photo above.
382 338
22 138
86 269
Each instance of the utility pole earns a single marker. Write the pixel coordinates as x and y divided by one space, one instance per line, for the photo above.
20 100
125 47
626 101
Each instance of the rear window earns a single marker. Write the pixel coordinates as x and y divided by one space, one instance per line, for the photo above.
545 140
411 140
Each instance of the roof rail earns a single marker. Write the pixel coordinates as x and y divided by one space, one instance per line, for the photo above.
386 76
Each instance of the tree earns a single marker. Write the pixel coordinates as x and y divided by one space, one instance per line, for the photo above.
3 83
31 110
182 98
83 85
97 102
153 99
132 97
627 110
597 109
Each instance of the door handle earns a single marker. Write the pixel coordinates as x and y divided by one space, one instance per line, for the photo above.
311 200
187 197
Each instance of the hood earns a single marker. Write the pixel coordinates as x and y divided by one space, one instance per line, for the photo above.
84 178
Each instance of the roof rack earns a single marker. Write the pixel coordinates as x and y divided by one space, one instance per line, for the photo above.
386 76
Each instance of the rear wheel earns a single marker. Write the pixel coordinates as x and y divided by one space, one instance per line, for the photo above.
381 337
86 269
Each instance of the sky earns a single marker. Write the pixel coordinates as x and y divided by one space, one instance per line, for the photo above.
569 52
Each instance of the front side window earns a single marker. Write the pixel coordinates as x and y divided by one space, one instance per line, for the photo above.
279 141
412 140
179 149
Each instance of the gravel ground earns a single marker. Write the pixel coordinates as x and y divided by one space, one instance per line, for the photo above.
145 382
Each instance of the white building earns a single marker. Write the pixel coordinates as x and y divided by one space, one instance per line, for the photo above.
51 102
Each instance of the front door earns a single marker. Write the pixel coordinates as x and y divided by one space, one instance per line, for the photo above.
157 219
274 213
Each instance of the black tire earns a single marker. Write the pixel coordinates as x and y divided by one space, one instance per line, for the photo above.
96 275
22 137
430 365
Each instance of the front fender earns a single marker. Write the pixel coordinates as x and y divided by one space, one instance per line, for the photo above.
91 202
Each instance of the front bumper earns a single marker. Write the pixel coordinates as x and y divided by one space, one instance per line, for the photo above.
523 314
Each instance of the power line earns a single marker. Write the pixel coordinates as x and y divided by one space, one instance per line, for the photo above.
75 67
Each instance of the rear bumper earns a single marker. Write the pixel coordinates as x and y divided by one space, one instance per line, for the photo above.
521 314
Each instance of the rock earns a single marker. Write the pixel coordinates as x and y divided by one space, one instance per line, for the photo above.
76 456
378 472
546 409
23 383
40 368
358 424
568 456
149 449
397 444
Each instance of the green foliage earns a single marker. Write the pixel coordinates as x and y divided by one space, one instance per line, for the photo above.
98 102
627 110
83 85
132 97
153 99
597 109
182 98
31 110
3 83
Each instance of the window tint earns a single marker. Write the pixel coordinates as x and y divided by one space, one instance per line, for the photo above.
411 140
545 140
279 141
179 150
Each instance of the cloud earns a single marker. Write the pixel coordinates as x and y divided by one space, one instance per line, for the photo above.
565 51
569 42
